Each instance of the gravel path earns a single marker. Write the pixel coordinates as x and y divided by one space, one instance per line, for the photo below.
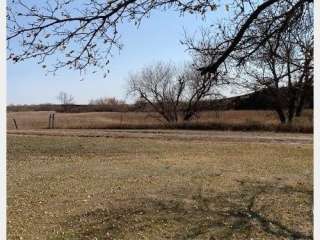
189 135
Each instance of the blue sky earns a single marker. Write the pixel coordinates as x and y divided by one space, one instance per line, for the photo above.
157 38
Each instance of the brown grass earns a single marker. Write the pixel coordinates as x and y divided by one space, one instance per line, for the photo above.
224 120
75 188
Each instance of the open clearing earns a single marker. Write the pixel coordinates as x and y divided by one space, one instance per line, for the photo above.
90 184
243 120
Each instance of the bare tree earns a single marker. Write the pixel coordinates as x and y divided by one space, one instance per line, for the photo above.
274 68
198 88
275 17
156 85
275 53
65 98
283 64
76 31
173 94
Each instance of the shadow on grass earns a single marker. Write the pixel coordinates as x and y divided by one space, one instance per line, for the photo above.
254 211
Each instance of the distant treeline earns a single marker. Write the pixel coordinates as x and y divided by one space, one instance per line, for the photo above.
262 100
253 101
72 108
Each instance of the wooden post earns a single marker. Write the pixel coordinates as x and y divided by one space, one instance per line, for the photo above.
15 123
49 125
53 120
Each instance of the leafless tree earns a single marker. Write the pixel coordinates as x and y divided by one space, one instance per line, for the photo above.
285 75
76 30
173 94
155 84
275 53
65 98
283 64
198 88
271 18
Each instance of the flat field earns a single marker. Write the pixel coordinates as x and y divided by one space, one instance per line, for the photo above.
103 184
222 120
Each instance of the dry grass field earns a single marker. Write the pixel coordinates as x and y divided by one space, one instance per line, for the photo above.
223 120
103 184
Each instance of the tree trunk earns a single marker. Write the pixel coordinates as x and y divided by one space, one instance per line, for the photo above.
188 116
291 95
281 115
306 88
277 104
300 105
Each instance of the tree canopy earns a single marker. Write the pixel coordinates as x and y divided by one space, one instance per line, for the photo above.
83 33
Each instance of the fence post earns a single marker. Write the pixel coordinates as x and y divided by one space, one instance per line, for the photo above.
15 123
53 120
49 125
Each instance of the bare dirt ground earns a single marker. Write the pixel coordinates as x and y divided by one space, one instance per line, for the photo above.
90 184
